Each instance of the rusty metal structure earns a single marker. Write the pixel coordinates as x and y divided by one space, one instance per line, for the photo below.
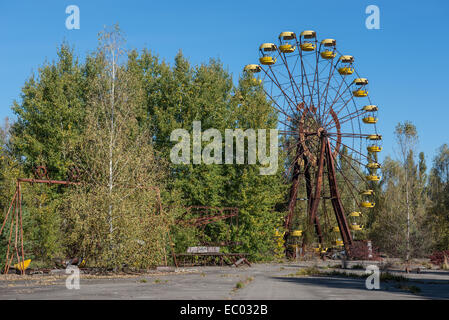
328 123
14 214
200 217
15 218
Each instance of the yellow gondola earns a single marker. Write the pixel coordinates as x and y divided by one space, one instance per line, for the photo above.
346 68
253 68
368 192
297 233
360 93
373 165
355 227
355 214
374 137
329 52
370 120
286 40
372 177
361 81
374 148
360 84
370 108
307 45
265 50
367 204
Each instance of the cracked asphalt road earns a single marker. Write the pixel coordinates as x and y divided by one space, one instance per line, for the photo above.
260 282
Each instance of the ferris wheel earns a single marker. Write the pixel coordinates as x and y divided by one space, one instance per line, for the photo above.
328 123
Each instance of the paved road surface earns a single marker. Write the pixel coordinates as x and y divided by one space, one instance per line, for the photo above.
263 281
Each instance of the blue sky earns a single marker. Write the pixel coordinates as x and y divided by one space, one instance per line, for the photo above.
406 60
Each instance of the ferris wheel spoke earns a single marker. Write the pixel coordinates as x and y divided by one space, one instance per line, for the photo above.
354 159
350 135
345 158
343 144
337 96
276 83
341 108
303 72
328 108
347 118
295 160
280 109
349 184
331 72
315 79
292 79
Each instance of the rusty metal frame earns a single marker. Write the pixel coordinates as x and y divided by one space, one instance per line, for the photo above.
41 174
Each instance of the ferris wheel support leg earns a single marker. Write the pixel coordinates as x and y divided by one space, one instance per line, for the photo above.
336 200
293 197
315 200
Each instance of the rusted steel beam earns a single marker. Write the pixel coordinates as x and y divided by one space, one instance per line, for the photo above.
336 199
318 184
293 190
48 181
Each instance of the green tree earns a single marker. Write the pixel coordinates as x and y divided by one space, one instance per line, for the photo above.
439 195
113 218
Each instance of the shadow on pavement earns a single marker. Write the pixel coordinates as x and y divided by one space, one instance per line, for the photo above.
429 289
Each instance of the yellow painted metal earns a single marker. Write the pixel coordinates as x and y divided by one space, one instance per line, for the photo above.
361 81
355 227
372 177
360 93
374 148
268 47
23 265
307 46
345 71
308 34
367 204
329 42
355 214
373 165
328 54
287 35
370 108
370 120
267 60
255 68
374 137
297 233
368 192
287 48
347 59
82 264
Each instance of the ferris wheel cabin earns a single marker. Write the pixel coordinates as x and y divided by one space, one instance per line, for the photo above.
287 42
307 40
267 52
